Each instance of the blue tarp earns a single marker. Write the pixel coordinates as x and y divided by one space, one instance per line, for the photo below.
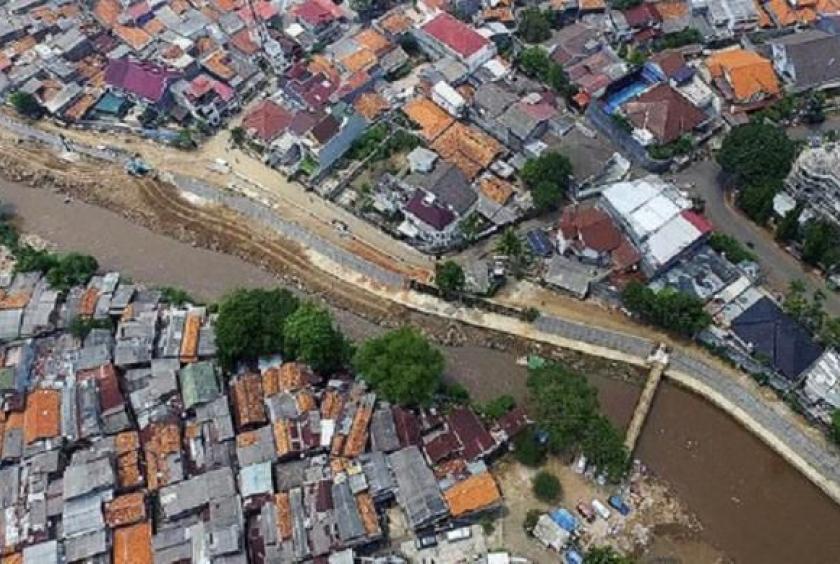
540 243
572 556
619 505
565 519
110 103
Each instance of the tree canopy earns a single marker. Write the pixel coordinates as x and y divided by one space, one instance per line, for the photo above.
26 104
311 336
547 176
401 365
449 278
605 555
534 25
250 324
820 244
731 247
669 309
62 271
535 63
566 407
546 487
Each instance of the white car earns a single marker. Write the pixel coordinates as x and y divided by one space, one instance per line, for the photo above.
601 509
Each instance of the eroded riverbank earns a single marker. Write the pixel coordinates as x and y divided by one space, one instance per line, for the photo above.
753 505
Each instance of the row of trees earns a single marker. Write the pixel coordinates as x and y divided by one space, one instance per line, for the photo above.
565 406
669 309
757 157
401 365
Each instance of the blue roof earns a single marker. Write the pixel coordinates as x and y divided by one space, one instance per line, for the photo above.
683 74
565 519
540 243
110 103
777 336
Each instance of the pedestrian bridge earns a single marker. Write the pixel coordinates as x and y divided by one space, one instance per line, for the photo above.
658 363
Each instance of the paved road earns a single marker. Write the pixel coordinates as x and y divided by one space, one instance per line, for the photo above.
779 266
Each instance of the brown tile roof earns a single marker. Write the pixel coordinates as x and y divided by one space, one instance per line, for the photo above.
331 404
282 437
87 305
371 105
664 112
160 441
41 420
133 545
431 118
284 515
135 37
672 9
473 494
216 64
305 401
126 441
107 12
395 22
747 73
79 108
128 470
367 511
467 148
154 26
289 377
15 300
359 60
248 400
357 438
496 189
126 510
110 396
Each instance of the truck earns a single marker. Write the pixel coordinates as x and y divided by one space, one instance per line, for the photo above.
601 509
618 504
585 511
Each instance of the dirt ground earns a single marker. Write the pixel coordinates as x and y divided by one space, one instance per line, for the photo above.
659 526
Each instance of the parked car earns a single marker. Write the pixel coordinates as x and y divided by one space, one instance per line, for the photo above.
616 502
601 509
585 511
425 541
458 534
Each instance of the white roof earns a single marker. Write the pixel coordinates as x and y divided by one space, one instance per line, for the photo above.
822 377
670 240
550 533
449 94
783 203
625 197
654 214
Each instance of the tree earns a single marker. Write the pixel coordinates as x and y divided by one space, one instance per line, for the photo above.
669 309
26 104
496 408
814 108
535 63
788 227
756 153
546 487
731 247
547 176
564 404
311 336
830 333
401 365
604 447
454 393
176 296
834 431
185 140
250 324
624 4
72 269
534 25
527 449
819 247
756 200
796 304
605 555
449 278
531 519
511 246
237 135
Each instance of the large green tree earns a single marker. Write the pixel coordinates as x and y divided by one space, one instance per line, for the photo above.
669 309
26 104
401 365
756 152
534 25
548 177
449 278
311 336
546 487
250 324
820 245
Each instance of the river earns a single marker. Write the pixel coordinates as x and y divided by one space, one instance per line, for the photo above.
753 506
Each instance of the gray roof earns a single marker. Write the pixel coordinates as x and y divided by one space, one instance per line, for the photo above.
198 491
349 521
80 479
380 481
383 431
261 450
299 536
217 412
448 184
491 99
519 122
9 486
44 553
255 479
815 56
418 492
289 475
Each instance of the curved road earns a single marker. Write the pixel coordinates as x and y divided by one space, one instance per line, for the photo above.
779 267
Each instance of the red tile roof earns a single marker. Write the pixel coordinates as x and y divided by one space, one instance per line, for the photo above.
317 12
267 121
664 112
471 432
143 79
455 34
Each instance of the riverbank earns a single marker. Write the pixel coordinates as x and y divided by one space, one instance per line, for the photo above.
752 529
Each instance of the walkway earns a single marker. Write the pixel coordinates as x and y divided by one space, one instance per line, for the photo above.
637 423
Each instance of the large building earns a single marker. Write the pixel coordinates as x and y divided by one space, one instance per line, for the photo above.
446 36
657 218
815 180
808 59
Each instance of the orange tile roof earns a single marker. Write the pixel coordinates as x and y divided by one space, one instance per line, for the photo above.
282 437
764 20
787 15
189 340
248 400
357 438
216 64
42 418
371 105
87 305
431 118
591 5
672 9
501 14
496 189
107 12
331 404
24 44
14 558
828 6
368 513
305 401
288 378
747 73
15 300
135 37
133 545
467 148
128 470
337 444
284 515
126 510
475 493
319 63
360 60
395 23
179 6
79 108
374 41
126 441
154 26
162 440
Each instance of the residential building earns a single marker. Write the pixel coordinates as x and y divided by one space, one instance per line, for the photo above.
821 385
745 78
808 59
444 35
814 180
661 115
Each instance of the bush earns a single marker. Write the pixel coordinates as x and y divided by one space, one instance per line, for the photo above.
528 450
835 426
731 247
548 177
176 296
449 278
455 393
531 519
669 309
26 104
80 327
534 25
546 487
311 336
530 314
495 409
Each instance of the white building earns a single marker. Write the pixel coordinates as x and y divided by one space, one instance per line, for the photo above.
822 383
815 180
448 98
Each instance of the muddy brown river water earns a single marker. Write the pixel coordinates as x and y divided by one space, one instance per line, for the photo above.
753 506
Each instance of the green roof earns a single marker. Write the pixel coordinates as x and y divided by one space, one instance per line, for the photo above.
199 383
7 378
